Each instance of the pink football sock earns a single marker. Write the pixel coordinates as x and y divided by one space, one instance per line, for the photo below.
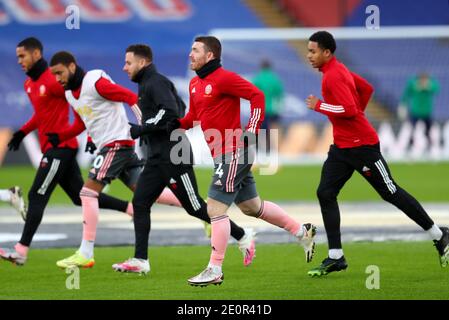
221 231
89 201
21 249
167 197
272 213
130 209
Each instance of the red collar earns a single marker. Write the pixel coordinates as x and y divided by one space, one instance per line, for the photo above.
76 93
325 67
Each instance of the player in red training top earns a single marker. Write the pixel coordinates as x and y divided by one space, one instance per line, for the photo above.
215 102
356 148
58 164
98 103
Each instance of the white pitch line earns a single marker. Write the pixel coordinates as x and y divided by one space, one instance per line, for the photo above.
12 237
163 217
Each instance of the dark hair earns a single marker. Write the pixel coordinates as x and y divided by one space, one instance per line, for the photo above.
141 50
62 57
211 44
325 40
31 43
265 64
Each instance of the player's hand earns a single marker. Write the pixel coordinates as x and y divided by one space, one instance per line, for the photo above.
53 138
311 102
90 147
15 141
172 125
136 130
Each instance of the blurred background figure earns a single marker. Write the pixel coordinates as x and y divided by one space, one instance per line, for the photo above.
417 102
271 85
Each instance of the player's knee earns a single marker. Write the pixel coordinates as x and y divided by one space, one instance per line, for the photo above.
31 195
34 197
76 201
85 195
388 196
249 210
326 194
140 206
36 207
197 212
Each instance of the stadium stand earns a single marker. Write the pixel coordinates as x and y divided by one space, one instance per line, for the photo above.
168 26
108 27
403 58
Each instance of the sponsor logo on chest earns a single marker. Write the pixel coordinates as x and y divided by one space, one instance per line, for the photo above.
85 112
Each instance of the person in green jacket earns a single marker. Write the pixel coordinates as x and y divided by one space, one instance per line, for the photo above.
418 97
271 85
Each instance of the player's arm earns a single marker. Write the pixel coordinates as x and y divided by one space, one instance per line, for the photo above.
114 92
90 145
30 125
434 86
56 138
189 119
74 130
364 89
235 85
20 134
346 107
407 94
278 90
161 94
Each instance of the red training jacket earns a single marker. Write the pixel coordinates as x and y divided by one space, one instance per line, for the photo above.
215 103
51 110
346 96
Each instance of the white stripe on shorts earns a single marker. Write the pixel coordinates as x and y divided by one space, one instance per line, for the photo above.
233 171
107 163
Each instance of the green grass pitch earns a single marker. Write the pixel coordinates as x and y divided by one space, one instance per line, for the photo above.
426 181
406 271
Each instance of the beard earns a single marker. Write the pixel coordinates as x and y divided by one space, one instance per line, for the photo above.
67 84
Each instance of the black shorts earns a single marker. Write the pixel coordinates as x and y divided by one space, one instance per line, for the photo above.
233 180
117 162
